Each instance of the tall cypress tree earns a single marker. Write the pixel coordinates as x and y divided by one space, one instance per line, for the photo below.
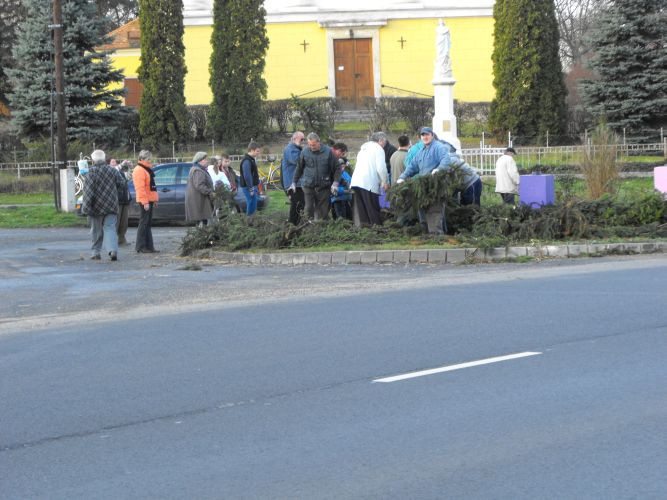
11 14
630 58
239 43
163 115
93 110
527 72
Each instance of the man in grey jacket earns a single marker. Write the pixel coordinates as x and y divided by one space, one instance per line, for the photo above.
320 172
100 204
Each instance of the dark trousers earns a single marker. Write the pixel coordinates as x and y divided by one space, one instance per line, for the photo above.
296 206
144 233
121 223
366 207
507 198
472 194
317 203
342 209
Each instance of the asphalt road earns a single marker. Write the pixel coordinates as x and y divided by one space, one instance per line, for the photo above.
267 382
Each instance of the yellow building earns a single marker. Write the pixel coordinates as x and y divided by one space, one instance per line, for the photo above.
340 49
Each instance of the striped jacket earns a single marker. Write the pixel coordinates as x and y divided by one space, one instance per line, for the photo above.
100 190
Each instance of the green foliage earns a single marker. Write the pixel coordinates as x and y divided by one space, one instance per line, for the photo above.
163 117
11 14
279 112
630 62
316 115
422 192
239 42
382 113
93 110
530 90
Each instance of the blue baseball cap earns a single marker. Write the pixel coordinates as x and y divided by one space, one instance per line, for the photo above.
426 130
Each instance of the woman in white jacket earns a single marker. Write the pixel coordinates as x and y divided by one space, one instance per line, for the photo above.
370 174
507 176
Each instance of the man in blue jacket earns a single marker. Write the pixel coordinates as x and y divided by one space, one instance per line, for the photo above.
287 167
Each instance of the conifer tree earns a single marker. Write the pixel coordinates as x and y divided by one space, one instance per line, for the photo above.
93 108
11 14
630 59
528 78
239 43
163 116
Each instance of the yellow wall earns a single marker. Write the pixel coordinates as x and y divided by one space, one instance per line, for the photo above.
290 70
128 62
412 67
197 41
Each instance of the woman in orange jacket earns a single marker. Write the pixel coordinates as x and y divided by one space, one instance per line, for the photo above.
147 196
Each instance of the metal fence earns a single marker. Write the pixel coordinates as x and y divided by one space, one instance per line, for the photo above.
483 158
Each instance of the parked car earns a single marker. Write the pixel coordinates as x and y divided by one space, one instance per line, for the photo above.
171 179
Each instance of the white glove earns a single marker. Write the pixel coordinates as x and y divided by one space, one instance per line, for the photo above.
400 181
434 171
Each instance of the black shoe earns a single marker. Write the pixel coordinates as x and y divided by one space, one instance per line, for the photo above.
113 255
146 250
95 257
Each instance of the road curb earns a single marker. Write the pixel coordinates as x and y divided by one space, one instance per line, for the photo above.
434 256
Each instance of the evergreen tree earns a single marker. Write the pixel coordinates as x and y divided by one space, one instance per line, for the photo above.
527 72
163 115
239 43
630 58
11 14
93 108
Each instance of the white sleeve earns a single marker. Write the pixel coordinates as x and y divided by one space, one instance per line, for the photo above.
513 171
381 165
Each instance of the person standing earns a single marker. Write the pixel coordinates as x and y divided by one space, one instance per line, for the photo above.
124 199
340 202
199 195
398 158
100 204
147 197
226 168
288 164
370 175
249 179
319 169
507 176
218 176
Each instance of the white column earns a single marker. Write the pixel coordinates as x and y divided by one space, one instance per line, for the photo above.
67 198
444 121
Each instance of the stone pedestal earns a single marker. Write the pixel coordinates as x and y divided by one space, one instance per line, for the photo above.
660 179
67 197
537 190
435 219
444 121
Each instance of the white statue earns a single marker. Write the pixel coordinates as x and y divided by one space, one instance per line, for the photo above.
443 43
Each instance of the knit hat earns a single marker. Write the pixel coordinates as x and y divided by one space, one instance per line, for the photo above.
199 156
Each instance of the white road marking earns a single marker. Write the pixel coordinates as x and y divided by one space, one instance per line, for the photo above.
450 368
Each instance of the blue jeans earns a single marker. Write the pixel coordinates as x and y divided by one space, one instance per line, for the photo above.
250 200
103 229
472 194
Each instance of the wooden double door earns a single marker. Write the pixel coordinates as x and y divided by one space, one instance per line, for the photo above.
353 59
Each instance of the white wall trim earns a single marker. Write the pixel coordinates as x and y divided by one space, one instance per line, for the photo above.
344 33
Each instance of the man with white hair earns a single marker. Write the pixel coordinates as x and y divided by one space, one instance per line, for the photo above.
100 204
370 174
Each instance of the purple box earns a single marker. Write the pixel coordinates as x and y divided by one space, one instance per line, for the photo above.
537 190
383 199
660 179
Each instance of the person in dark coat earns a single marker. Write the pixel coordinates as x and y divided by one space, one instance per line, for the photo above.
124 199
199 195
288 164
249 179
321 175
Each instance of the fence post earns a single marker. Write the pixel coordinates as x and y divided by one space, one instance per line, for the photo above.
664 146
547 138
18 170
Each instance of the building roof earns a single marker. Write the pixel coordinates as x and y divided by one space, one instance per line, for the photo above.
127 36
199 12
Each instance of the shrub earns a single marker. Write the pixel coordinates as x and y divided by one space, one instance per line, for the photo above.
382 113
316 114
416 112
599 162
279 112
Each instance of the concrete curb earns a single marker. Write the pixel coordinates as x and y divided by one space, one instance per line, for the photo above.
432 256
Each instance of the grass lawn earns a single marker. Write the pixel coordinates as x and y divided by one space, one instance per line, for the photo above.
25 198
45 216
